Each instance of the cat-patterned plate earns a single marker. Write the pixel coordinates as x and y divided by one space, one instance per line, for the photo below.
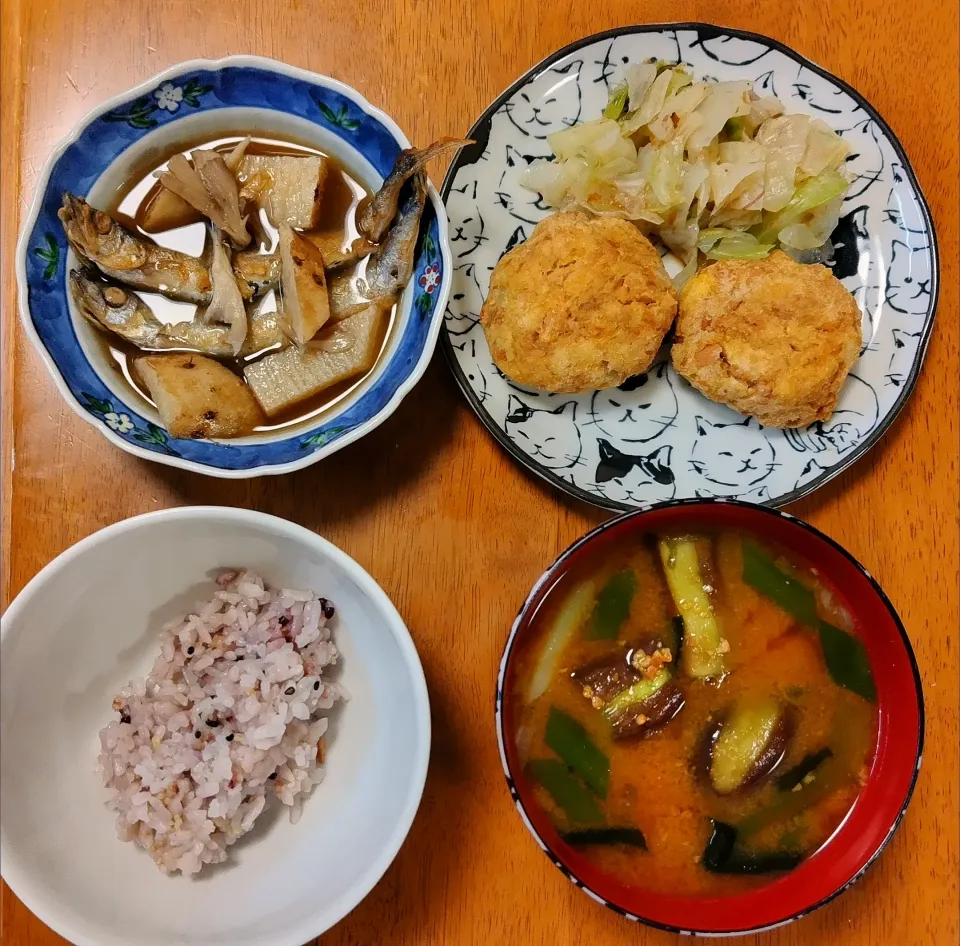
655 438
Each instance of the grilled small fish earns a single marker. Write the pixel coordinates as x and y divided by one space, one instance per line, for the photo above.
141 264
132 259
376 217
257 273
391 266
124 313
379 279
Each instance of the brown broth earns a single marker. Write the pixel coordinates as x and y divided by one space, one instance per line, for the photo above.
654 783
343 195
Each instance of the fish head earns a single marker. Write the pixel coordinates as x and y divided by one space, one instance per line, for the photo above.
88 296
100 303
84 230
97 237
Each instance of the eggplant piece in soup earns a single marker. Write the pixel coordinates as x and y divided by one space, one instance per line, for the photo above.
747 744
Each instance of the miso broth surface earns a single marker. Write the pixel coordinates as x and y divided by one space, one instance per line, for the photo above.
654 781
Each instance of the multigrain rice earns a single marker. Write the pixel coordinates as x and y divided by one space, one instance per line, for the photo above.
227 718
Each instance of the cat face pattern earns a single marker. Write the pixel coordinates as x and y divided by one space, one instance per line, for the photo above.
634 478
548 435
466 298
856 415
551 102
901 361
467 226
908 281
639 410
619 445
729 458
524 206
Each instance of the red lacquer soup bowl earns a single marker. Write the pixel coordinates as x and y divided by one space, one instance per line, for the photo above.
892 774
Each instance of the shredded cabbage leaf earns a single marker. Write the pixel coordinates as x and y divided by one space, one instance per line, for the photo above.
706 167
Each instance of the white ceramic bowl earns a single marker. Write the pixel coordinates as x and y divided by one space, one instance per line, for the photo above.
87 624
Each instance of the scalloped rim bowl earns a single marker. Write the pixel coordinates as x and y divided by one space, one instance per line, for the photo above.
220 96
893 771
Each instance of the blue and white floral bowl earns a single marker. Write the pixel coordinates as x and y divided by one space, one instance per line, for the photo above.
185 103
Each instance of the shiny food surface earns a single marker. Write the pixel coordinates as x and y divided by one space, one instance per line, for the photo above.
477 529
663 782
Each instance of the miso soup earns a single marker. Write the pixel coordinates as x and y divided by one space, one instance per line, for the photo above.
696 714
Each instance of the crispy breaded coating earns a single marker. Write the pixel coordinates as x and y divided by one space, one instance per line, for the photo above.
583 304
771 338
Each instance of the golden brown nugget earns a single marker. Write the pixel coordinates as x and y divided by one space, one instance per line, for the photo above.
771 338
583 304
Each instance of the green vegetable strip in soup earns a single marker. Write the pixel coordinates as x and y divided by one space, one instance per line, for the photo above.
588 837
570 741
612 606
577 803
803 769
845 656
722 855
847 661
761 572
571 615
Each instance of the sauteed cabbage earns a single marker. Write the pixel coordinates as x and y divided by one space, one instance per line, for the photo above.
708 166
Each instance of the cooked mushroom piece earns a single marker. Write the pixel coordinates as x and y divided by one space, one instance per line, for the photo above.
226 307
165 210
198 397
208 186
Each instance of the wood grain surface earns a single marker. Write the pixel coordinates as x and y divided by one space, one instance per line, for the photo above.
452 528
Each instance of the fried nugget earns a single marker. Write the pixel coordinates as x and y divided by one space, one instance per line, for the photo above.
583 304
771 338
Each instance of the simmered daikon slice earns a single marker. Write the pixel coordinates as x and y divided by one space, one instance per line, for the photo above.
293 194
285 379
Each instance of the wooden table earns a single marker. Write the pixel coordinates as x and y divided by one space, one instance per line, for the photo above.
451 527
